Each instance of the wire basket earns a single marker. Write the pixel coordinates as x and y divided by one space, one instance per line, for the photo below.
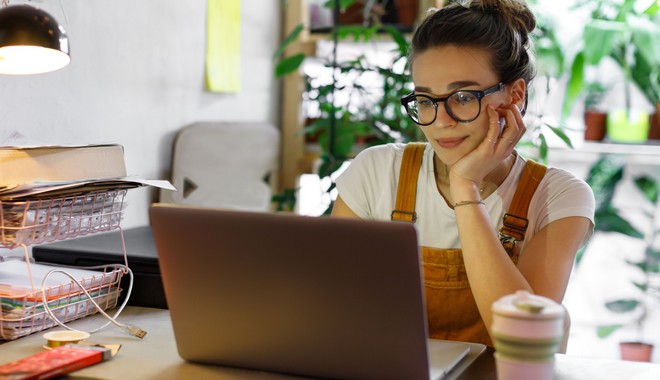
23 312
28 222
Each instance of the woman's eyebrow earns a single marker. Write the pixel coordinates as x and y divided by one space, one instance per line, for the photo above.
459 84
451 87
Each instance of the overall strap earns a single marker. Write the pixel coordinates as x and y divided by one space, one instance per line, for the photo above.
514 223
406 192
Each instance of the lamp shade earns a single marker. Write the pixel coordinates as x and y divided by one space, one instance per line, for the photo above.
31 41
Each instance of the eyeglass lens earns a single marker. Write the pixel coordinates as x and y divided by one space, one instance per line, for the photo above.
462 106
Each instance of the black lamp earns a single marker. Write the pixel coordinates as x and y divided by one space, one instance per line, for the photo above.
31 41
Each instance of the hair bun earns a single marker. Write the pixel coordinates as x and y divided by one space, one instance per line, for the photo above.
514 12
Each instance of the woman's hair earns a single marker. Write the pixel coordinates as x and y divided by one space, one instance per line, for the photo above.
501 27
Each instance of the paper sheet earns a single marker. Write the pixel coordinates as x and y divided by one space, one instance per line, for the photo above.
223 39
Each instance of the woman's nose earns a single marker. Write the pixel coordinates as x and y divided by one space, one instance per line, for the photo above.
442 117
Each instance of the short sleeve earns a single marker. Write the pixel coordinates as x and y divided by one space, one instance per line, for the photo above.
367 186
561 195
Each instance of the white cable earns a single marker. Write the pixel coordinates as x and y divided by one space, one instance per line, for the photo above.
133 330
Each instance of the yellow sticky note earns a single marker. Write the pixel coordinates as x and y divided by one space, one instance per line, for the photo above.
223 39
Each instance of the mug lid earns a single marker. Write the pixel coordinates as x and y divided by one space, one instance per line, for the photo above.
524 304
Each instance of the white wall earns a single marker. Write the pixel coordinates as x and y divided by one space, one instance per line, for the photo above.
136 77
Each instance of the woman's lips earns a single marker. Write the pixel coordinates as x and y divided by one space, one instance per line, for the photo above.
450 142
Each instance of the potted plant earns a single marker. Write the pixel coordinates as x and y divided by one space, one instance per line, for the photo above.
604 178
595 117
630 38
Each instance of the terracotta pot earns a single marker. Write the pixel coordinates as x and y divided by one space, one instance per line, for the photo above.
654 123
636 351
595 125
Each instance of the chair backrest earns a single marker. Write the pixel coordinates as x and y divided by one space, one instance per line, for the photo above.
224 165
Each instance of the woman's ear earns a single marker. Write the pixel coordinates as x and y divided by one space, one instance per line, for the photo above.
517 92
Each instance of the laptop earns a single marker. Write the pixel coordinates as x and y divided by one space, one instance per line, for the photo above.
309 296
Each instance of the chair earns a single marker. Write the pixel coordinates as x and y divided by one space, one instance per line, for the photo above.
223 165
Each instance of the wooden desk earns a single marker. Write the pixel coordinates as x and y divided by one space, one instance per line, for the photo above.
155 357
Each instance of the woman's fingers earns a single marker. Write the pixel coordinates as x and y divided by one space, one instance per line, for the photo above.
514 127
494 126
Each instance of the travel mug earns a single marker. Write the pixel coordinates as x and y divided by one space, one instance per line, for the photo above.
527 331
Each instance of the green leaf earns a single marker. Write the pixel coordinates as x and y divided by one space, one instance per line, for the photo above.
343 4
603 177
649 187
560 133
609 221
600 37
646 37
639 286
288 40
652 9
574 85
543 149
402 44
622 306
289 65
329 166
653 255
580 254
605 331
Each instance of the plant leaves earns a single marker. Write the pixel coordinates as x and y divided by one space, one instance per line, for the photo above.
622 306
605 331
609 221
600 37
402 44
543 149
288 40
646 37
289 65
649 187
574 85
580 254
603 177
343 4
560 133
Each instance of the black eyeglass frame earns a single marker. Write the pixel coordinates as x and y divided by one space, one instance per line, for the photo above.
478 94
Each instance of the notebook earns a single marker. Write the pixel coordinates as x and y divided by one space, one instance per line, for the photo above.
309 296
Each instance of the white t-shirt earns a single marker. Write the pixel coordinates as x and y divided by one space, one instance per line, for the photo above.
369 186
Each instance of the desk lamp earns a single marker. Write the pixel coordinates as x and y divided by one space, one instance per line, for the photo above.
31 41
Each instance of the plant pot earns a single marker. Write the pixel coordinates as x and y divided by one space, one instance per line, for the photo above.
595 125
636 351
654 123
628 127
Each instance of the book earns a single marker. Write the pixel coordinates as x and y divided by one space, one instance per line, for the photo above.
21 165
54 363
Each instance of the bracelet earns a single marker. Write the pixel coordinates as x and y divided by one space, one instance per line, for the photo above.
463 203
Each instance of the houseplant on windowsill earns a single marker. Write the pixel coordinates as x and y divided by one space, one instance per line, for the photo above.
604 178
629 37
595 117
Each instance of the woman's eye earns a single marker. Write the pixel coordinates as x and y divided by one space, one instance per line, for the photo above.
463 98
424 102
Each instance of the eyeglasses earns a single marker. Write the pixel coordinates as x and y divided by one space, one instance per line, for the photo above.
463 105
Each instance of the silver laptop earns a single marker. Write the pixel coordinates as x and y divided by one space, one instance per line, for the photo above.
308 296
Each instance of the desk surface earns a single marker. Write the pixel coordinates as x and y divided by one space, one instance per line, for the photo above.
155 357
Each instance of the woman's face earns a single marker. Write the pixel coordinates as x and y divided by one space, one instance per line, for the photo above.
442 70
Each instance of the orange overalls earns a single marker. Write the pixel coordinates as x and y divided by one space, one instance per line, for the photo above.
450 306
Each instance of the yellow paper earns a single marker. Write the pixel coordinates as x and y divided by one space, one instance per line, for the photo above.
223 53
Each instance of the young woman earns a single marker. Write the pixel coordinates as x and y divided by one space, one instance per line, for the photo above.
490 222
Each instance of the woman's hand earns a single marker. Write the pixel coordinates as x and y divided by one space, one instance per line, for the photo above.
493 150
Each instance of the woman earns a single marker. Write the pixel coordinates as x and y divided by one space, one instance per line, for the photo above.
471 71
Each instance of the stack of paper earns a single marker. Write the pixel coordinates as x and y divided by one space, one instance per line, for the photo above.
23 302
